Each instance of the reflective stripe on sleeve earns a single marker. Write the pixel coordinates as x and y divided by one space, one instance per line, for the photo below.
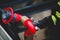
54 19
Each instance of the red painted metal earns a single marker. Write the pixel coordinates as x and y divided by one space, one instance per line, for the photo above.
27 23
30 28
18 17
10 19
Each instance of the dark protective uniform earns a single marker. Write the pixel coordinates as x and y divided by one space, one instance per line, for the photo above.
52 31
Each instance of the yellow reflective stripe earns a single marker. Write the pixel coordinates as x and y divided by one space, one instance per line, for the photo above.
57 14
59 3
54 19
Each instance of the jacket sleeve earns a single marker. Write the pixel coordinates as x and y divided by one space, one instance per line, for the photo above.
43 23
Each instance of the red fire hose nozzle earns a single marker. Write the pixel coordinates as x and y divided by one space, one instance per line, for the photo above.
25 20
29 25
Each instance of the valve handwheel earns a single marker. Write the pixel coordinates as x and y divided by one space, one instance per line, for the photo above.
10 19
